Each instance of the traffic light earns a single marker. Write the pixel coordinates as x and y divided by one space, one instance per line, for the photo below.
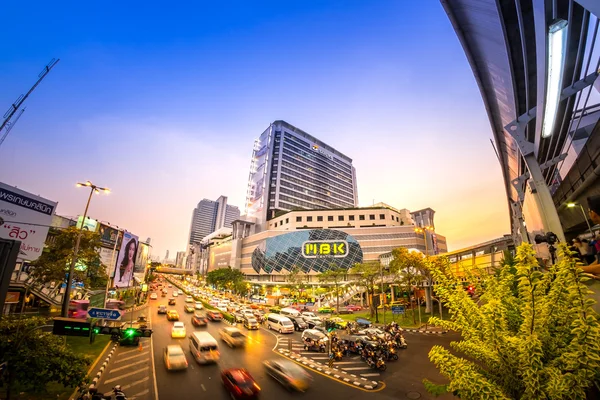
71 327
137 332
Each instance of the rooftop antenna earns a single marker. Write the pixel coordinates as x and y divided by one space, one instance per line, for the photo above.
7 123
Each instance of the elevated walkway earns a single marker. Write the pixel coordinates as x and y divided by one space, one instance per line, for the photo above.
49 292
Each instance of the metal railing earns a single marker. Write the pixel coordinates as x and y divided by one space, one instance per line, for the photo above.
49 292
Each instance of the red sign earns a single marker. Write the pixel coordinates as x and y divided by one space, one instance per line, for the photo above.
12 297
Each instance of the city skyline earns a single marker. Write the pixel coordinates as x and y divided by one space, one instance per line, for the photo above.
167 116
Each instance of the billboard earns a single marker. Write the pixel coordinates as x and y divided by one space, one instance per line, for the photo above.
90 224
141 261
108 236
26 218
126 261
108 258
256 195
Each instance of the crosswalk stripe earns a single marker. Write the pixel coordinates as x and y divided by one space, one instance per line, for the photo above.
126 375
132 357
127 366
125 387
374 374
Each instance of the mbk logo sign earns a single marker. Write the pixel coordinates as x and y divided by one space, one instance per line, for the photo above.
325 248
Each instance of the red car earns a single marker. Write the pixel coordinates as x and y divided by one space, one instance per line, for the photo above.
240 384
214 316
353 307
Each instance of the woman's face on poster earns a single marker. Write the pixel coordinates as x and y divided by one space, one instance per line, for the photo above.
131 252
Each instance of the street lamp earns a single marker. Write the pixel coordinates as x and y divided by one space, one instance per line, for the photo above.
573 205
67 298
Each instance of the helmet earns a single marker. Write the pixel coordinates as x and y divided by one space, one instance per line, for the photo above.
117 388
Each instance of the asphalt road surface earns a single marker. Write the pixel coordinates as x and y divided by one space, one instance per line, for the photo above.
132 367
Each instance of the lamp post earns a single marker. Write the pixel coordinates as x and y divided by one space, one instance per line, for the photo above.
67 298
424 230
572 205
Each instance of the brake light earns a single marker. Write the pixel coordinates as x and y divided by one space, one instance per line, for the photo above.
237 390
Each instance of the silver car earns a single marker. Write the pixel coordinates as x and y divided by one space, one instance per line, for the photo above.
289 374
174 358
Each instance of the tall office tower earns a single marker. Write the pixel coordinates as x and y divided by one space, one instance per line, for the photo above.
210 216
291 170
167 255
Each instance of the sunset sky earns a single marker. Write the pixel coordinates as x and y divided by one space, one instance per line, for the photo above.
162 105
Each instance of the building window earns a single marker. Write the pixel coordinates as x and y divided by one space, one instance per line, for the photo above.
372 216
275 224
308 219
330 218
340 217
351 217
319 218
298 219
287 220
397 219
361 217
381 216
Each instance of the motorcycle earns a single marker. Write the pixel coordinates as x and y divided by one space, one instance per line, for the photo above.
389 354
119 394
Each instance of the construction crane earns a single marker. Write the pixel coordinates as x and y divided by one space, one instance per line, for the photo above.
7 124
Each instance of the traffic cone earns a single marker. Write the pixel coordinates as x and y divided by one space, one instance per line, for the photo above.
140 347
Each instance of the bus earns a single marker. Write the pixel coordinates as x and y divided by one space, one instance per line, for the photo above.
78 308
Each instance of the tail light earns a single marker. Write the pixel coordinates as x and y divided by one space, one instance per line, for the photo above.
256 386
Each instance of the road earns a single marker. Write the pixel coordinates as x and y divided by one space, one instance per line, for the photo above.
133 368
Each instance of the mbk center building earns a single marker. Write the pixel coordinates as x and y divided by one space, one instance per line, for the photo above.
302 213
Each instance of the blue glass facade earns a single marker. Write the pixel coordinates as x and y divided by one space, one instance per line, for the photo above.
284 252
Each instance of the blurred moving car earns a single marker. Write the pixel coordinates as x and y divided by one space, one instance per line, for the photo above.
174 358
178 330
199 319
189 299
175 294
162 309
373 332
251 323
153 296
198 305
172 315
239 384
299 323
214 316
289 374
353 307
233 337
239 317
172 301
188 308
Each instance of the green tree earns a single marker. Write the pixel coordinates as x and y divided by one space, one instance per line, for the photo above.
367 275
406 269
34 358
54 263
335 275
542 342
224 278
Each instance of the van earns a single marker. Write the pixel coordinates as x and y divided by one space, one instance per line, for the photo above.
289 312
204 347
280 323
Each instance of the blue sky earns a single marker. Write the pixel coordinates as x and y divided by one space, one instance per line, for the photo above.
162 103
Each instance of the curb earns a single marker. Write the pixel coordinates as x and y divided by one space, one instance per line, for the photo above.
103 367
424 331
335 373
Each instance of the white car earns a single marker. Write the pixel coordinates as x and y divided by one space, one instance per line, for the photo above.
175 294
189 299
198 306
233 337
153 296
178 330
221 307
310 316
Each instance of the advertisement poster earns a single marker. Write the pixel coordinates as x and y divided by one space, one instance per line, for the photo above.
126 261
141 261
90 224
108 258
108 236
26 218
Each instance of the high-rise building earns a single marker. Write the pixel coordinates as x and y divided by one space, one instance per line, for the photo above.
180 259
210 216
292 170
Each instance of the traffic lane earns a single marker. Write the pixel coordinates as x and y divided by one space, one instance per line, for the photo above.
206 379
406 375
132 368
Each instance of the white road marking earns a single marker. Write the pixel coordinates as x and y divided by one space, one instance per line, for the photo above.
319 358
370 374
202 386
153 367
128 351
131 358
348 362
139 394
355 368
126 375
125 387
127 366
